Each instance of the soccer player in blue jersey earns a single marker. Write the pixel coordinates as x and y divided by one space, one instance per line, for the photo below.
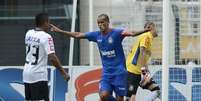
109 41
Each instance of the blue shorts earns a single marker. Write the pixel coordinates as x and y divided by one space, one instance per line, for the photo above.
116 83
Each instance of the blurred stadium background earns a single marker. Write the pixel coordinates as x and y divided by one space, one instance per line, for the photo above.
184 84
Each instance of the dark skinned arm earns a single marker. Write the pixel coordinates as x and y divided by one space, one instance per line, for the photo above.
78 35
56 63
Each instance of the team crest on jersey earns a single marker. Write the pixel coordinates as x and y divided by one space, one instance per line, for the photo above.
110 40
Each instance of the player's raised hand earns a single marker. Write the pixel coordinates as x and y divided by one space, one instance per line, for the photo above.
55 28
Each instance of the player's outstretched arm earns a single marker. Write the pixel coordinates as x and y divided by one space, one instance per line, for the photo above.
149 26
55 62
136 33
72 34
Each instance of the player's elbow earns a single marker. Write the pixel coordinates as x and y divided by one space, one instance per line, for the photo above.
79 36
52 57
76 36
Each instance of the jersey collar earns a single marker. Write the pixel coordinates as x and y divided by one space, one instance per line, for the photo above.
38 29
106 33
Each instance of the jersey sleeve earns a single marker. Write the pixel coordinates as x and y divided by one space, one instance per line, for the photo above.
144 42
91 36
49 45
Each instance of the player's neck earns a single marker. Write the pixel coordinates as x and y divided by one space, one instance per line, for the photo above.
106 31
39 29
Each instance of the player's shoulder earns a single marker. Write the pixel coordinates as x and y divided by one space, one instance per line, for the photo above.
146 34
45 37
117 29
94 33
97 32
40 33
47 34
30 31
44 34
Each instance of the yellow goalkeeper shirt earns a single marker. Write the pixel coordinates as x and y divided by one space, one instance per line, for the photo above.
132 61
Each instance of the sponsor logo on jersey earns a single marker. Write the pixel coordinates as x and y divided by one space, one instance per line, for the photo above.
99 40
108 53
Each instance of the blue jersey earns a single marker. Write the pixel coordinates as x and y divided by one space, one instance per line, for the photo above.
111 51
